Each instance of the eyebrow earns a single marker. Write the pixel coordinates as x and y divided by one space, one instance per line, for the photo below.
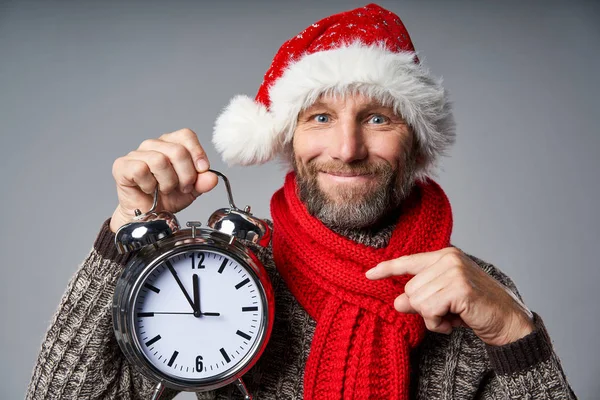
316 104
370 105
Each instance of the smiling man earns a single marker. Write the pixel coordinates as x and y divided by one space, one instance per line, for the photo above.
372 300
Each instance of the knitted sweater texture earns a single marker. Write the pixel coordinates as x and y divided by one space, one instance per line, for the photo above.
80 358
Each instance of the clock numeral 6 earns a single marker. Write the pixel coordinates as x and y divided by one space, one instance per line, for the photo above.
199 365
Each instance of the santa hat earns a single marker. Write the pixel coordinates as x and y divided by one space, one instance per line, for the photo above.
366 50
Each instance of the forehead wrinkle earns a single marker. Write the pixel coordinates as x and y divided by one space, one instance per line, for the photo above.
358 104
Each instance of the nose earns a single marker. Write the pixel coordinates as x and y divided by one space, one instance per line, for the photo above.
347 142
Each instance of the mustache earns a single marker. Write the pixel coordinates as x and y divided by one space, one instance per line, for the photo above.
354 168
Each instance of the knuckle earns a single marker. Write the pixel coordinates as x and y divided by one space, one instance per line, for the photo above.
159 160
386 267
117 166
456 272
454 250
186 180
168 186
465 289
165 136
431 325
148 143
139 169
188 131
415 303
409 258
200 153
179 152
427 310
453 257
180 134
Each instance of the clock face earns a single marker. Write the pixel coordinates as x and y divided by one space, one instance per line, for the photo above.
198 314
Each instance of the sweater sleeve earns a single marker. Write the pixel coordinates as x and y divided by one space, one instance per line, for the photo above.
528 368
79 357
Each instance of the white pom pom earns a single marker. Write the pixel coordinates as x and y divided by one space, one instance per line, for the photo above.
245 133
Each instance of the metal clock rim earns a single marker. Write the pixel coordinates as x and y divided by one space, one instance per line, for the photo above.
148 259
227 376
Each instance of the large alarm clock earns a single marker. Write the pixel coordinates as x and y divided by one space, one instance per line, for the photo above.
193 308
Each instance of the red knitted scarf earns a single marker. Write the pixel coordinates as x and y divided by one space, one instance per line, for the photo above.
361 345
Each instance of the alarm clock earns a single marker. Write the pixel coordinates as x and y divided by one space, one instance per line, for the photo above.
193 309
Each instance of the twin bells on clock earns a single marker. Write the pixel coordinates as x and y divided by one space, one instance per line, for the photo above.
193 308
152 226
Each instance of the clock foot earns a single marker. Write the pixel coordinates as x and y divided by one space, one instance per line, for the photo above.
158 389
242 387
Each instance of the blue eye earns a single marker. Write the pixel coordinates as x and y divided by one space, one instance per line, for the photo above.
377 119
322 118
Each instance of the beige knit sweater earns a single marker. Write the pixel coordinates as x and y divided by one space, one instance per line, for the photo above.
80 358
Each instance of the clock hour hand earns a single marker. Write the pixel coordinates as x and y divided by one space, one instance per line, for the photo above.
151 314
187 296
196 284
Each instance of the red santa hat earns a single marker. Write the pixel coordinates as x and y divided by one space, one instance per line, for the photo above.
366 50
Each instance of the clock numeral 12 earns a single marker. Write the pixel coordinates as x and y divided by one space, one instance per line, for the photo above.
200 261
199 365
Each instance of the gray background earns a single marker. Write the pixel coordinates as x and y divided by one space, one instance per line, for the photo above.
82 83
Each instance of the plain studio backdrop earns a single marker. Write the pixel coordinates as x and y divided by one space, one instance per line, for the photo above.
82 83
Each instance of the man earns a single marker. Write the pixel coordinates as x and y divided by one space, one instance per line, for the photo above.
372 299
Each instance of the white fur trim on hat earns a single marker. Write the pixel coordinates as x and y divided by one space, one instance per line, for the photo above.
372 70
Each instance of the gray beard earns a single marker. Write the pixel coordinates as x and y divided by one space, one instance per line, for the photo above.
359 212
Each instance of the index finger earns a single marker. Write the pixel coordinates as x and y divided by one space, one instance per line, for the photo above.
188 139
410 264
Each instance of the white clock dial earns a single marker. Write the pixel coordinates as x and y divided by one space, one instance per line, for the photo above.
198 332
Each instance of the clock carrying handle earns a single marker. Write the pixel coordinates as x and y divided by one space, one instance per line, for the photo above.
227 186
236 222
158 391
138 213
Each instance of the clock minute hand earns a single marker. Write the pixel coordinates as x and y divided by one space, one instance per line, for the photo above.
196 284
187 296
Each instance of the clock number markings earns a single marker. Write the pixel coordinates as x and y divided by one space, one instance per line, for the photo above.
225 355
244 335
172 359
199 364
223 265
153 340
242 283
200 261
145 314
152 287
